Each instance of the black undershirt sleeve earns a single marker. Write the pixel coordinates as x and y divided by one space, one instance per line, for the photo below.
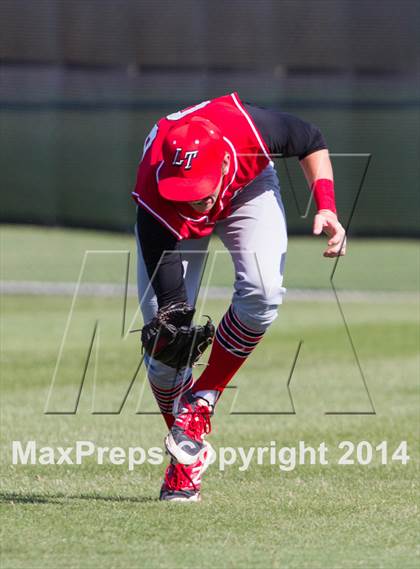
286 134
158 244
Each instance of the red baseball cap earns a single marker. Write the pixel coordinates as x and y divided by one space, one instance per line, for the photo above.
192 161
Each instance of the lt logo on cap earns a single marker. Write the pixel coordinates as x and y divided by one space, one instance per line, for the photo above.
188 158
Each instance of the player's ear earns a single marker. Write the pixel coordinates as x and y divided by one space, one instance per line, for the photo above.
225 164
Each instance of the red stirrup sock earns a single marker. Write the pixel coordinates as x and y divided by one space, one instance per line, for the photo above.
232 345
169 419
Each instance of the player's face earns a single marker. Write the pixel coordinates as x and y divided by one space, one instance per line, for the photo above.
208 202
204 205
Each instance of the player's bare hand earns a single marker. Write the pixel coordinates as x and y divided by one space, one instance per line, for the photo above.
326 221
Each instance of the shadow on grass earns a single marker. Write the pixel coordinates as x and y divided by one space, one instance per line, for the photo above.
16 498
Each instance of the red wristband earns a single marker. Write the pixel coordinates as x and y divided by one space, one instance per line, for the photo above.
323 190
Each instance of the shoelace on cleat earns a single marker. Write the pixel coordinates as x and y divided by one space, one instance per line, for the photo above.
177 478
197 421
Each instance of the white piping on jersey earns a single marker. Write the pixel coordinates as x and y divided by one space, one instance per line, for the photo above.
196 219
149 209
157 171
235 160
251 124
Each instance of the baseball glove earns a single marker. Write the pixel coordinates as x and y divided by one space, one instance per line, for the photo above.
171 339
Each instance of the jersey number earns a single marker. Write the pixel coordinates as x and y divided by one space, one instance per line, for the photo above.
178 115
149 139
172 117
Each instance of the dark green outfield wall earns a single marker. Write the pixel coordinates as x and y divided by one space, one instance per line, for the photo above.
380 35
74 162
82 82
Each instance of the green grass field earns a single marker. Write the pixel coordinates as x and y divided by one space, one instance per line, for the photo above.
314 516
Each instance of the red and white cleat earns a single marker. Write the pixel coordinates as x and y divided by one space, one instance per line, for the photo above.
185 441
183 483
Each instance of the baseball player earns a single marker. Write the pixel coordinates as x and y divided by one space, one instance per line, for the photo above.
207 169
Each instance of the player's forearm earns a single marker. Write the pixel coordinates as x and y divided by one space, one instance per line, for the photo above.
162 259
318 172
316 166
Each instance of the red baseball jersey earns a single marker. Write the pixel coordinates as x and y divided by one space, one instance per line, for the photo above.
249 156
